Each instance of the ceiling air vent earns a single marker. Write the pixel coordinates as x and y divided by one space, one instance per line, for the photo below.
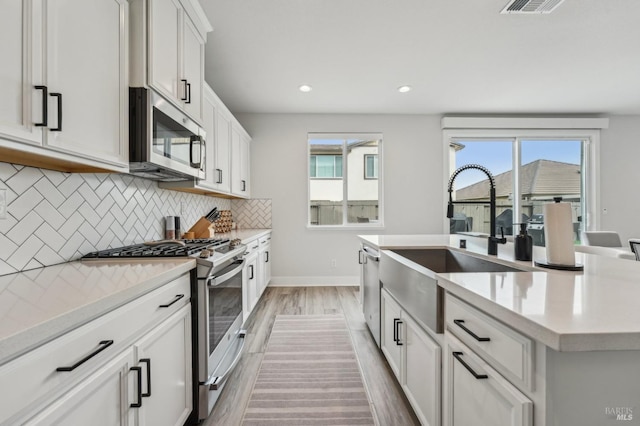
531 6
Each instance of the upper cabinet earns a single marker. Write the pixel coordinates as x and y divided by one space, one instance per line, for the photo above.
227 153
168 54
65 84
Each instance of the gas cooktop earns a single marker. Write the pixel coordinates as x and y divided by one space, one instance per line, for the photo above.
163 248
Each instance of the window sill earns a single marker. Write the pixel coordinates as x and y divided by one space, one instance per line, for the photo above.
350 227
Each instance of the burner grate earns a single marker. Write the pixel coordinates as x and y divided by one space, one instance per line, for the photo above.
191 247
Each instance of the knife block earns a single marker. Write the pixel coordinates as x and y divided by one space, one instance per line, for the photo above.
202 229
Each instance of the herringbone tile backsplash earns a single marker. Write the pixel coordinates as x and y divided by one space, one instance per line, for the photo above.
251 214
53 217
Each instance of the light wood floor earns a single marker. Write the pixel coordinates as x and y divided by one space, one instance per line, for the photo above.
389 402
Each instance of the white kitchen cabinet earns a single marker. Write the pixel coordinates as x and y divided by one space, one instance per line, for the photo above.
478 395
414 358
250 282
240 161
165 357
176 52
104 398
86 371
264 263
64 103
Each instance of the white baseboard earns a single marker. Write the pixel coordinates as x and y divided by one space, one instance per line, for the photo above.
314 281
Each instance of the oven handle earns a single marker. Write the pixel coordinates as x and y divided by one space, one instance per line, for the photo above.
226 273
216 382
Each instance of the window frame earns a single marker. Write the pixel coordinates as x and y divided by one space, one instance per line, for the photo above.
379 224
335 169
376 168
590 178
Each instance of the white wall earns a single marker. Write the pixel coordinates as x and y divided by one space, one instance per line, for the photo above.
412 181
414 188
620 177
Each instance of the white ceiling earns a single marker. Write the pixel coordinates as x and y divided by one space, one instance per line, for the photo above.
460 56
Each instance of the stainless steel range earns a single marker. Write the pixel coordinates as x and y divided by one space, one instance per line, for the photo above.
217 302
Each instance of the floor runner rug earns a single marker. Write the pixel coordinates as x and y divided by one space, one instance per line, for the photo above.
309 376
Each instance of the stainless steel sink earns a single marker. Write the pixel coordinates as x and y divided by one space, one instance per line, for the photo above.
410 276
444 260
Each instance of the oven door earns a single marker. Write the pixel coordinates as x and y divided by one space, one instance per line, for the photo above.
223 339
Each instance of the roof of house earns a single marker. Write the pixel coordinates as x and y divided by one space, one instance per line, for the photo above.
538 178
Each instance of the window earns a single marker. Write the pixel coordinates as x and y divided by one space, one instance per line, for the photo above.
325 166
344 180
371 166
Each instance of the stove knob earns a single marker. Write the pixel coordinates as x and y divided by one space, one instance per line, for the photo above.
205 254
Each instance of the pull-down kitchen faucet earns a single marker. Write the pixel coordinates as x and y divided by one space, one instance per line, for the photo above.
492 247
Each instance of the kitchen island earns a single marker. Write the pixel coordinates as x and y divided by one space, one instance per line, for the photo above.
536 347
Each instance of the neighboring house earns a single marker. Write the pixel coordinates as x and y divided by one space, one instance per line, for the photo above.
540 182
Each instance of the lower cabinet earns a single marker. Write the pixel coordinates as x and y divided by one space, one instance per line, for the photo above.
264 263
103 398
250 291
131 366
415 359
164 356
476 394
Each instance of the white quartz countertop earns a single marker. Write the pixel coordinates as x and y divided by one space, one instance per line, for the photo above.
594 309
41 304
246 235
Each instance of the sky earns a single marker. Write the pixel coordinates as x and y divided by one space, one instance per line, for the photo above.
496 156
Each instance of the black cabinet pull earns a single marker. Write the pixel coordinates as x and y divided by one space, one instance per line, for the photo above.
460 323
139 382
104 344
188 100
59 96
396 331
244 185
267 259
175 299
251 267
184 98
45 106
458 356
148 362
219 175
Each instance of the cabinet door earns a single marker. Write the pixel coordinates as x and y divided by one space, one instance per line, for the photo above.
267 266
478 395
209 123
103 398
223 152
245 164
236 163
165 39
390 339
422 373
87 78
16 82
193 69
165 357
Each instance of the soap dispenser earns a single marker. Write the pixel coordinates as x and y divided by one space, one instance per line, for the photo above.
523 244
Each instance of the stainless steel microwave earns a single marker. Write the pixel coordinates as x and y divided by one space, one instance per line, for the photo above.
164 144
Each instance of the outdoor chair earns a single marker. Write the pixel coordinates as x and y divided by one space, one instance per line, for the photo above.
601 239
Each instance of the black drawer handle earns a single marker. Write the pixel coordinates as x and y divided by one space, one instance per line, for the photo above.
219 175
178 297
104 344
45 104
59 96
148 362
244 185
458 356
267 259
251 273
459 323
188 100
139 384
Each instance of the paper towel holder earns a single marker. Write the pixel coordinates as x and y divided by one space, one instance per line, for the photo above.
545 264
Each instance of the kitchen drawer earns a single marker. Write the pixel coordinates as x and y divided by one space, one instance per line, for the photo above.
506 350
33 378
252 246
263 241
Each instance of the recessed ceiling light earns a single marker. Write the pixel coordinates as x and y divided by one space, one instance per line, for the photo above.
305 88
404 89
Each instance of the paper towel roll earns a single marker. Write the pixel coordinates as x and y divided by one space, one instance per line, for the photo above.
558 234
